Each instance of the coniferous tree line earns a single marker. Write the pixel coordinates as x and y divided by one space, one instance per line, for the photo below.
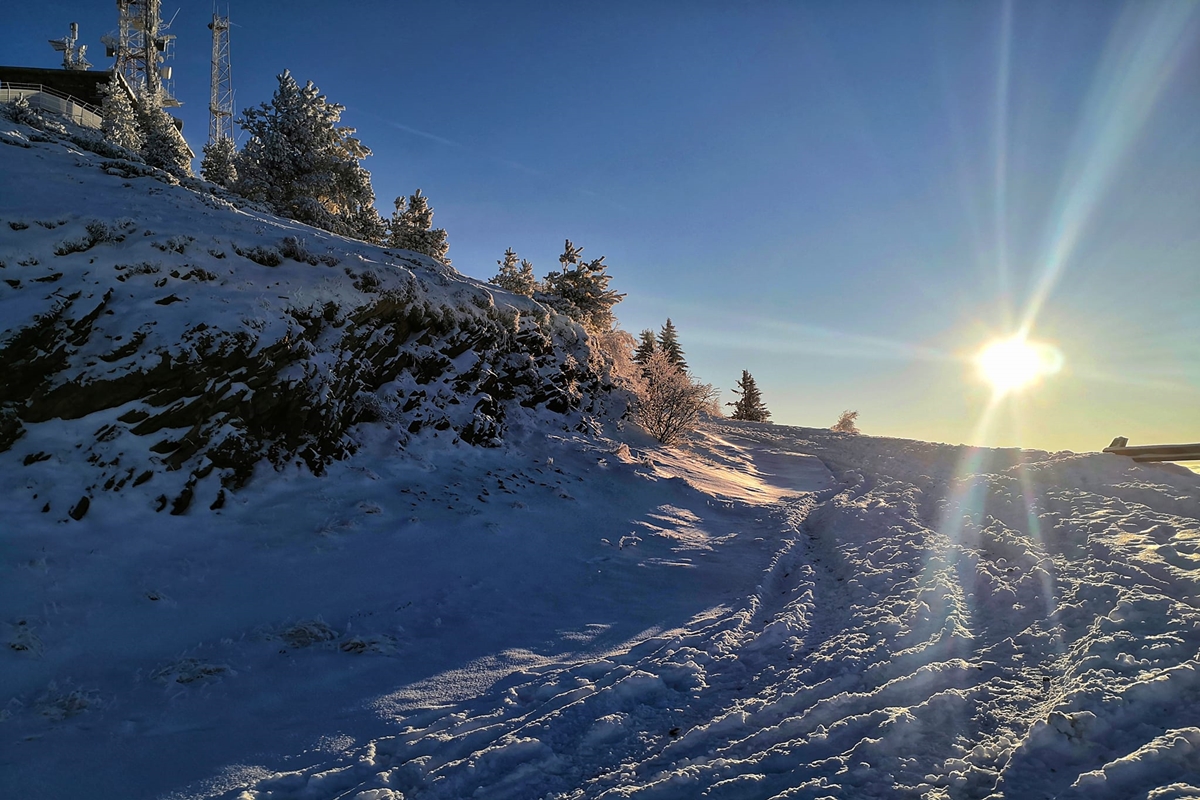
303 163
144 128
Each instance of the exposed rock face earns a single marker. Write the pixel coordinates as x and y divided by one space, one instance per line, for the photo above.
184 352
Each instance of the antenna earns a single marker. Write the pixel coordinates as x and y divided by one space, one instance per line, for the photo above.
220 104
73 54
140 47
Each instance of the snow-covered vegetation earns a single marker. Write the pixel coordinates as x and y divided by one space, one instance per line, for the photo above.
291 515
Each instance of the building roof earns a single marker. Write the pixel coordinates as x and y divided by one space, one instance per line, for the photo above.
82 85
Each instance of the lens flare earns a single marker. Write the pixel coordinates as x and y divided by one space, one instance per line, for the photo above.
1010 365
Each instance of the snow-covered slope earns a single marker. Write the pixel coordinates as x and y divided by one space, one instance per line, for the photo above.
174 338
766 612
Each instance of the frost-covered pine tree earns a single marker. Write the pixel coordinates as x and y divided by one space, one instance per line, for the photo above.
580 290
217 165
646 347
749 406
120 125
668 342
303 163
412 228
163 146
516 278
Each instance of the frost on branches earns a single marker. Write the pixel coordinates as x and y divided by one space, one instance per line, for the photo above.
163 146
217 165
846 423
305 165
749 406
671 402
120 124
517 279
581 290
412 228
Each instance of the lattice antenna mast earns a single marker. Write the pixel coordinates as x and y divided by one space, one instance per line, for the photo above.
73 52
220 104
140 48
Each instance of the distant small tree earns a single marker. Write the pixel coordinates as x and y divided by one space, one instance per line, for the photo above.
19 110
668 342
412 228
580 290
671 402
163 146
516 278
749 406
846 423
217 165
120 124
646 347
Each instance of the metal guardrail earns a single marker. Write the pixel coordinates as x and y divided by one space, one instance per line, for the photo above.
38 96
1155 452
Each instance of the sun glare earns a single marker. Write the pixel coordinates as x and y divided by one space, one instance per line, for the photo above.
1013 364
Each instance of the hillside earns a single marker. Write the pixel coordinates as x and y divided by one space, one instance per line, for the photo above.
353 529
175 338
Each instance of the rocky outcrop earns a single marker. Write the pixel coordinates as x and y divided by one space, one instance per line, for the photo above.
189 357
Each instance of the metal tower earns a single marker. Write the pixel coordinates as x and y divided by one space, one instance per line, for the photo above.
141 46
73 53
220 104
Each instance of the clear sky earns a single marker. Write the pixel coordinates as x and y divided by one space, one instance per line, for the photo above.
846 199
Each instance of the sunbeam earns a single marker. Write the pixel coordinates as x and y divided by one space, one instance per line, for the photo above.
1147 43
1000 173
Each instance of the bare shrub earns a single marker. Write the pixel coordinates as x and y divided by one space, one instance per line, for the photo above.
267 256
308 633
846 423
188 670
671 402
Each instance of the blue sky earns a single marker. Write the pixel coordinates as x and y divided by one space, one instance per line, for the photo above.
846 199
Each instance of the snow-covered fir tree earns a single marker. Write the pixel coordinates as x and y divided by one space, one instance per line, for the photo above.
515 277
163 146
668 342
120 125
412 228
303 163
647 344
217 165
580 290
749 406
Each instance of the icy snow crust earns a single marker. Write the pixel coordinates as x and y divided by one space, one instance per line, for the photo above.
766 612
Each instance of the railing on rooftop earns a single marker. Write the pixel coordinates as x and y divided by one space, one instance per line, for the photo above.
47 99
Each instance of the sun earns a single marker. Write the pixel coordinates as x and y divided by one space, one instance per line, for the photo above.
1016 363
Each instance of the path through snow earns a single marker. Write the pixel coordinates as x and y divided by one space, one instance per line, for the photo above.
771 612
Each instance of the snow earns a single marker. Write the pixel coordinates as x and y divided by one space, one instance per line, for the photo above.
763 612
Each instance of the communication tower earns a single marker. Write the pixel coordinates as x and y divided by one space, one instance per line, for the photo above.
140 46
220 104
73 53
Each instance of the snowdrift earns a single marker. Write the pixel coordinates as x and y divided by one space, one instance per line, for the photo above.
379 610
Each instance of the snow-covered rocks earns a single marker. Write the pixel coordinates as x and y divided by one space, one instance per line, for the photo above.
153 332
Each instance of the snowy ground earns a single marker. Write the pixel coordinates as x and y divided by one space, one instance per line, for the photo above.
769 612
